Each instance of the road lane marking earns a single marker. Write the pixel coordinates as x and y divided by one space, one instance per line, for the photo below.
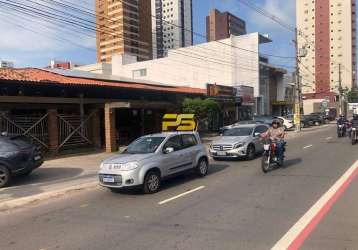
296 236
308 146
181 195
329 138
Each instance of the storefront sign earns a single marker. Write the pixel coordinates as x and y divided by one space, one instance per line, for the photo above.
214 90
179 122
246 94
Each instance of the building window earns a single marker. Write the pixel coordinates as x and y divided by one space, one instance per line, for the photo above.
139 73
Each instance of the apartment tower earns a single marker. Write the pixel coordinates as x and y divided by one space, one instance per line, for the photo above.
172 25
327 30
123 26
220 25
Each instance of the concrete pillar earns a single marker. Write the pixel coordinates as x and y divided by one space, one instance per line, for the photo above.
110 129
53 142
96 129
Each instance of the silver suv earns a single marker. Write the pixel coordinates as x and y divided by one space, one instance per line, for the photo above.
151 158
239 141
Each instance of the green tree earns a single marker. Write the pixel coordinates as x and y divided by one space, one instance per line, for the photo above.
351 95
202 108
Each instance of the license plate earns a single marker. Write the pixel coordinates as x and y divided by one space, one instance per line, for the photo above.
108 179
36 158
221 153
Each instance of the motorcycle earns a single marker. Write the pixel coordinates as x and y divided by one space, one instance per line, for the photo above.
269 157
341 130
354 135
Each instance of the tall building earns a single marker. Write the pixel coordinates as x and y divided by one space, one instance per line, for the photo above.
123 26
220 25
172 24
327 29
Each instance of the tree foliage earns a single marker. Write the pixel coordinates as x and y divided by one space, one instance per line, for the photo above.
202 108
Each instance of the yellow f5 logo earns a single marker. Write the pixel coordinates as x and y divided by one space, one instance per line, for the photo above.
182 122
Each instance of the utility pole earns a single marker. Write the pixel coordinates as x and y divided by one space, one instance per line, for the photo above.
340 90
298 96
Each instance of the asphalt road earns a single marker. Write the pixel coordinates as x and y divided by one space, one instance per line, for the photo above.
235 207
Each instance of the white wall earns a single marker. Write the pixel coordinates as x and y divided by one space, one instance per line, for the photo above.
195 66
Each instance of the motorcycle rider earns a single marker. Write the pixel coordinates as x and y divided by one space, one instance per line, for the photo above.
277 134
342 121
354 121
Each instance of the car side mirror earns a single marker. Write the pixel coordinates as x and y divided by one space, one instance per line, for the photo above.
122 149
168 150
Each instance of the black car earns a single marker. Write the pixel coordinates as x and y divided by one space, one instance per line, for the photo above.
315 119
323 116
18 156
305 122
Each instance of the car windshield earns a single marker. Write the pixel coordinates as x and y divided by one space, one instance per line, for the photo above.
238 132
144 145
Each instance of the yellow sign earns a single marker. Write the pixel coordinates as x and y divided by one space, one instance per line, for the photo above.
179 122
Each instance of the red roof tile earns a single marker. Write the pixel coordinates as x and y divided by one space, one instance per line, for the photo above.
40 76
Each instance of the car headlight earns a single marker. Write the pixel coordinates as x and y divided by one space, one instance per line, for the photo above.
239 145
353 128
129 166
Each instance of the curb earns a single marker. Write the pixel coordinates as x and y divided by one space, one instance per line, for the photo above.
20 202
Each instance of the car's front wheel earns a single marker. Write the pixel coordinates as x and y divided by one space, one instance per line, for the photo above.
250 154
202 168
151 182
5 176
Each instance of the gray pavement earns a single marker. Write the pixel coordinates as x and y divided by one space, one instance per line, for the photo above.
238 208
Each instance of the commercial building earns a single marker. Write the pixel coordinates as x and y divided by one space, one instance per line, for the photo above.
123 26
327 30
172 25
61 110
233 62
220 25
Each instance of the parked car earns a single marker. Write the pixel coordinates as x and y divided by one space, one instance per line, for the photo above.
152 158
315 119
222 129
264 119
286 123
18 156
304 121
238 142
323 116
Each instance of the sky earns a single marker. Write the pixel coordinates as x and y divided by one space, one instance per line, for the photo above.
32 43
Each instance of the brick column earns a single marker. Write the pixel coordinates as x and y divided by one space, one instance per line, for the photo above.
52 131
96 129
110 129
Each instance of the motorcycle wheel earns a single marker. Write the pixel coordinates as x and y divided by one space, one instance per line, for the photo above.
265 164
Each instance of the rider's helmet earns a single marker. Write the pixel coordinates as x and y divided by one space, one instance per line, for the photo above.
341 116
276 122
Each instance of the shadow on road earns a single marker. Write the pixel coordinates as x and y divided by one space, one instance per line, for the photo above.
292 162
177 180
44 175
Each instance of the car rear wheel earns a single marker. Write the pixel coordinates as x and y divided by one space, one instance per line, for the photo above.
151 182
317 123
5 176
202 168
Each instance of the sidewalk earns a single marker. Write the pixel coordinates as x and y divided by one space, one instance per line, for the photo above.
55 174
